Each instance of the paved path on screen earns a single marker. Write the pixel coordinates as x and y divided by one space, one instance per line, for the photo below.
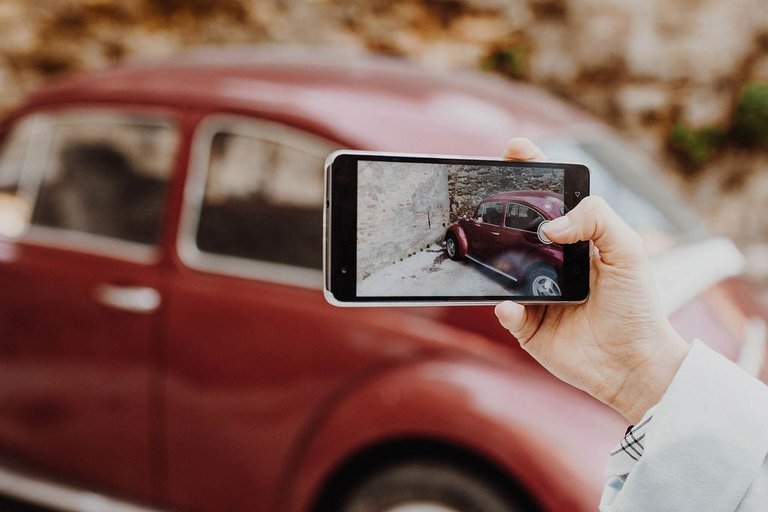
431 273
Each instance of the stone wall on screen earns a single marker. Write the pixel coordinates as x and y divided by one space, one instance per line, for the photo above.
469 184
402 209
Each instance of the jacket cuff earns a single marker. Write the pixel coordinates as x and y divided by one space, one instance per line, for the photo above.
707 440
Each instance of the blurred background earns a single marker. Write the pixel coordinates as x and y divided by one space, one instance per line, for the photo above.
686 80
225 382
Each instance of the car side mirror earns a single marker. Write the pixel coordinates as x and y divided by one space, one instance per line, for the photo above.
542 237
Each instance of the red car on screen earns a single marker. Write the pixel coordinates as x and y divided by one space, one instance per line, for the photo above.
164 341
504 235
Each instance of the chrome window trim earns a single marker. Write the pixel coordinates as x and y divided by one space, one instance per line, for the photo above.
30 182
40 138
194 194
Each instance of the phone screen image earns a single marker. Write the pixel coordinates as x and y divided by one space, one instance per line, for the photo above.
457 229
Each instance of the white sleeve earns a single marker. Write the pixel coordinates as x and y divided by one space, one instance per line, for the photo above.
706 446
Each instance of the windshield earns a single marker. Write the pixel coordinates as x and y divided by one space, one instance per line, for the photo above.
633 186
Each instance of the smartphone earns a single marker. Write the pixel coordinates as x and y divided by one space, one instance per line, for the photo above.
408 229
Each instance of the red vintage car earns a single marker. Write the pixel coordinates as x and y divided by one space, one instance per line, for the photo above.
504 236
164 341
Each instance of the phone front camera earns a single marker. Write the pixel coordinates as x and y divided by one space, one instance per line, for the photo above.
343 270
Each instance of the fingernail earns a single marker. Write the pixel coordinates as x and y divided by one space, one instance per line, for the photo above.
557 226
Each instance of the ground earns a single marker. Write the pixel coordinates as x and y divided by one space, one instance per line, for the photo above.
430 273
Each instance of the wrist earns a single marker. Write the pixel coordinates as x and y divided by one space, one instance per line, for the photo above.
644 386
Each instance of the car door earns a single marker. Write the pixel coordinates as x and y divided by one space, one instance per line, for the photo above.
250 337
518 238
485 230
80 294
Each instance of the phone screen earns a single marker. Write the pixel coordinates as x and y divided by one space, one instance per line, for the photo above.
447 229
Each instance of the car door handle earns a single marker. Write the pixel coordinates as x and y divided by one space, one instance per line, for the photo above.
495 233
136 299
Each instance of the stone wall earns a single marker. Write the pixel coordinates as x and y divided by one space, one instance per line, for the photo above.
401 210
642 66
468 185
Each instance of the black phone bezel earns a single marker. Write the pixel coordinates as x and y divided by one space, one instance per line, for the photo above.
341 235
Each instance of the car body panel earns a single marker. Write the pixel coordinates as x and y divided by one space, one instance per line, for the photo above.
236 407
76 374
505 413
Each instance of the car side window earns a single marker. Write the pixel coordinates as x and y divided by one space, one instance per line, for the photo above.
489 213
106 175
522 217
263 196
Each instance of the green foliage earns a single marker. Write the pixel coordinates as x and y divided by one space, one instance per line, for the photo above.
696 145
749 128
510 60
750 120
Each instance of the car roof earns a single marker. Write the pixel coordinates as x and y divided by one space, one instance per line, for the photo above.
361 101
535 198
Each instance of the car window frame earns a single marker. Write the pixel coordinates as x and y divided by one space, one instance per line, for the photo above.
500 203
30 183
506 208
194 195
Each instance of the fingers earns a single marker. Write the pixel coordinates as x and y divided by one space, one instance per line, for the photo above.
594 220
521 321
520 148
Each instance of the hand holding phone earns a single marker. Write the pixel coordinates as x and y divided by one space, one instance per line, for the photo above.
421 229
618 346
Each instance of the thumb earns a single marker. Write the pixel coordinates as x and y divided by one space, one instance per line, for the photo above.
520 321
511 316
592 219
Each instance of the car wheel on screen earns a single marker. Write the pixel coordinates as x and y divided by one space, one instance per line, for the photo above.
541 281
452 247
428 487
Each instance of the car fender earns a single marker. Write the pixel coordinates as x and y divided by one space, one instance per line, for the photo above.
461 237
511 419
548 255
